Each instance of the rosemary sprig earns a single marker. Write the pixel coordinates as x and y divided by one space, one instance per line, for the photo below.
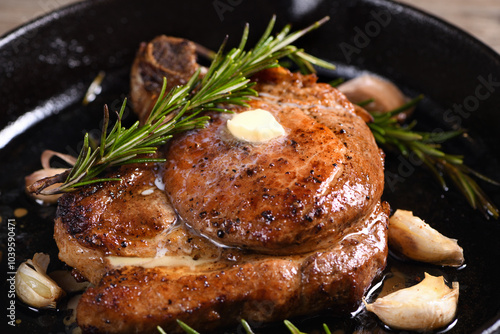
186 328
335 83
292 328
248 330
225 83
246 327
427 148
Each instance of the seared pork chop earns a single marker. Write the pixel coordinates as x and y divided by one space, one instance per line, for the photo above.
311 201
214 286
288 195
253 287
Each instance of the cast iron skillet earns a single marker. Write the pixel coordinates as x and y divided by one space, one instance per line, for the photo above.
47 65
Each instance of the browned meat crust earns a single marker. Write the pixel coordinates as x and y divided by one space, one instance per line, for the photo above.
126 218
337 209
288 195
256 288
129 218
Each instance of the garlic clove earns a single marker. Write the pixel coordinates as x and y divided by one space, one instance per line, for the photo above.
429 305
47 155
72 305
386 96
33 286
412 237
67 281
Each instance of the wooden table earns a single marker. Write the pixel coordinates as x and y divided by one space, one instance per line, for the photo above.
481 18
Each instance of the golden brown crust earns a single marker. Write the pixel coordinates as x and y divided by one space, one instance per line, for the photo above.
125 218
129 218
286 196
89 262
119 216
258 288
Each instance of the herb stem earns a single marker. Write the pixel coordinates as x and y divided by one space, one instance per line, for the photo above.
427 147
225 83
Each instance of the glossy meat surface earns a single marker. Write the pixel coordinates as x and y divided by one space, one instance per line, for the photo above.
223 284
310 201
253 287
126 218
288 195
131 218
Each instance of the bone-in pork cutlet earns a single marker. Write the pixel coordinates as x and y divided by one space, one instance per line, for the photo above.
299 227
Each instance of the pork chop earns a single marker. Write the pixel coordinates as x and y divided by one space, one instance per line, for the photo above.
195 280
160 259
258 288
288 195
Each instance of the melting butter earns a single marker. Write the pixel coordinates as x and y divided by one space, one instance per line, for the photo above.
152 262
255 126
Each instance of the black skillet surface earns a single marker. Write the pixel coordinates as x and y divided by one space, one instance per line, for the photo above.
47 65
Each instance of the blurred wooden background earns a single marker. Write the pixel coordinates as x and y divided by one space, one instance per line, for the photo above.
480 18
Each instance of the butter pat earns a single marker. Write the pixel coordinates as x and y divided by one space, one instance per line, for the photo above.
255 126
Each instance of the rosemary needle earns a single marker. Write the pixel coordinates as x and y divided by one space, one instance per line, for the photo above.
186 328
246 327
248 330
225 83
292 328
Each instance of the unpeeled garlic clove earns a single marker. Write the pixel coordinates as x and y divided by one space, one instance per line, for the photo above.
46 172
386 96
411 236
429 305
33 286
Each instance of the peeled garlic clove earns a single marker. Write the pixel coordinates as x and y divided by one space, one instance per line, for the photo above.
412 237
386 96
33 286
428 305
